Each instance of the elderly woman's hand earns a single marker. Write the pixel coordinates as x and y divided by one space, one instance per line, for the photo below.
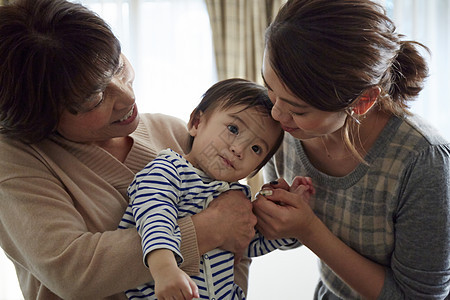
228 223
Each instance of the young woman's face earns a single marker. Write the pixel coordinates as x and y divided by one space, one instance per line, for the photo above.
112 114
229 144
298 118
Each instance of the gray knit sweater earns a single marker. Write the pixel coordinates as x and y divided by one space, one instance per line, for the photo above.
395 211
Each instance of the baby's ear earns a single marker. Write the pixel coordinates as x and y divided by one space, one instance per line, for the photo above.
194 120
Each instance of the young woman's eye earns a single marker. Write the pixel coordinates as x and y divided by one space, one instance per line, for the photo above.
233 129
257 149
297 113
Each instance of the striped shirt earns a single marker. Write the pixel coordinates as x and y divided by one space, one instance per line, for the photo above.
394 211
169 188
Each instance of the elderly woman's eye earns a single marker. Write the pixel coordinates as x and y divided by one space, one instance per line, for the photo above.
97 99
233 129
94 101
101 98
120 69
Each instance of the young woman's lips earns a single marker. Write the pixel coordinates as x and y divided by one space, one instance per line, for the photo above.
288 129
129 117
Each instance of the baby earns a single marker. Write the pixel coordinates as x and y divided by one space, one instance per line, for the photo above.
233 136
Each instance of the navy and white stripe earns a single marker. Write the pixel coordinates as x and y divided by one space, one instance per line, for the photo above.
169 188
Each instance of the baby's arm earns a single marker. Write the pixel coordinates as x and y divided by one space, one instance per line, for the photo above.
170 281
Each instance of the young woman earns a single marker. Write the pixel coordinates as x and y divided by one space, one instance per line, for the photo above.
340 78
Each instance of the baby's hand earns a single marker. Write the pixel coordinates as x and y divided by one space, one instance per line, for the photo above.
173 283
170 281
303 186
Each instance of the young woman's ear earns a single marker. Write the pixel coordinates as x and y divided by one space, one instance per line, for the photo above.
367 100
194 120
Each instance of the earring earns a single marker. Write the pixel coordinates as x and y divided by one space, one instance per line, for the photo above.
350 112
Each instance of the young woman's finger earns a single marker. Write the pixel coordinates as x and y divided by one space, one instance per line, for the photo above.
280 183
283 197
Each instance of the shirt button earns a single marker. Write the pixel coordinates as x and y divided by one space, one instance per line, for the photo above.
207 257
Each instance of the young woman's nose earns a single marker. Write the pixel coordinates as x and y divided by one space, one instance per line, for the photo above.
279 113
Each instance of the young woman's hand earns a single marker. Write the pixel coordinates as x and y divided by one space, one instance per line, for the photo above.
279 184
295 187
228 223
284 211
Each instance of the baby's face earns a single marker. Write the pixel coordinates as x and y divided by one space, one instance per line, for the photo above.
229 144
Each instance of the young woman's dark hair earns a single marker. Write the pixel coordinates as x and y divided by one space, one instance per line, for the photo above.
329 52
50 62
239 92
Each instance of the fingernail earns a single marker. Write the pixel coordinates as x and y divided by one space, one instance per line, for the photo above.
266 192
274 182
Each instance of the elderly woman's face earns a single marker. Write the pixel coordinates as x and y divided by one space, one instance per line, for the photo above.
113 114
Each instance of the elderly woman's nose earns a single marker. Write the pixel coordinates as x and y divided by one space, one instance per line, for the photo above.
124 93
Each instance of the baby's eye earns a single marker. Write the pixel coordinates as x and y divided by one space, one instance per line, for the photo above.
233 129
257 149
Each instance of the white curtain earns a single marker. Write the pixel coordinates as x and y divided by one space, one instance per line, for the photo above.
428 21
169 44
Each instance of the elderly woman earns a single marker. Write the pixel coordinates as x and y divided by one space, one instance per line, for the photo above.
71 142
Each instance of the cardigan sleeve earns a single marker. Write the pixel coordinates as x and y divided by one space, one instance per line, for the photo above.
62 237
43 233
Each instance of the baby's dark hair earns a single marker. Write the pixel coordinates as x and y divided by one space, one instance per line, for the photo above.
238 92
